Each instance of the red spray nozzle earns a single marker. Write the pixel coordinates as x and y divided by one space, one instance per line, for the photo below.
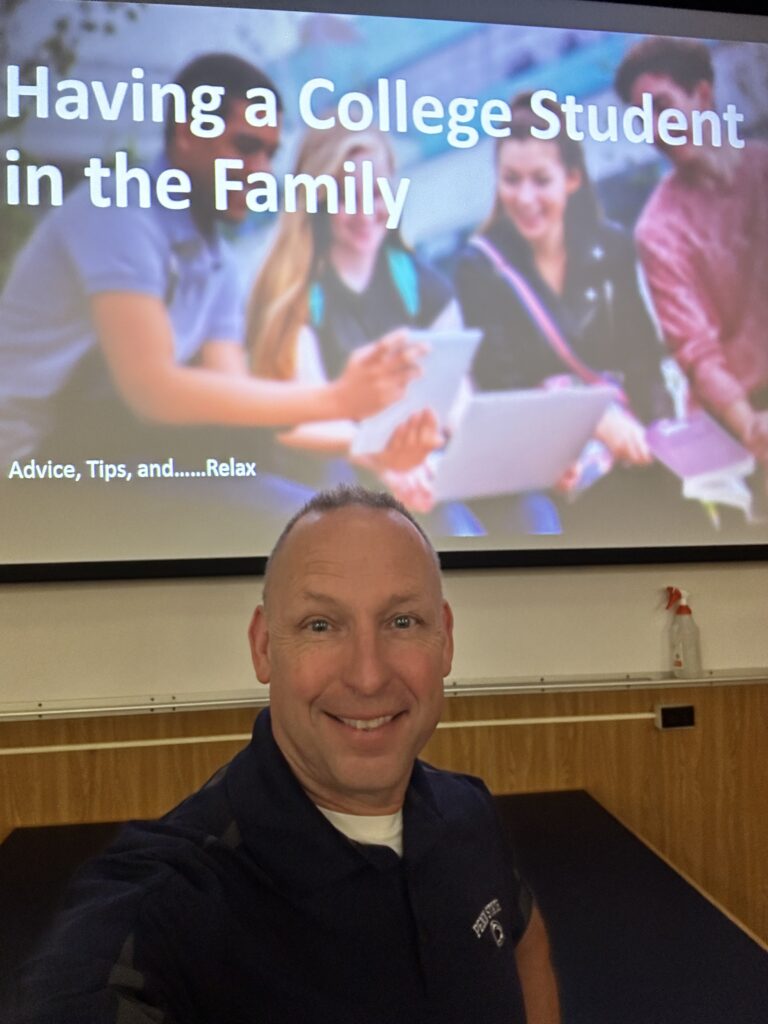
678 597
673 596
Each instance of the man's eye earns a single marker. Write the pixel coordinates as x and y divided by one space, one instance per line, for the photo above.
319 625
403 621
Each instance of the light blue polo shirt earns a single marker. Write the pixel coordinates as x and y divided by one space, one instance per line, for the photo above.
76 252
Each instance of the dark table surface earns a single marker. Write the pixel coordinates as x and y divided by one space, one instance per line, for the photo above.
633 942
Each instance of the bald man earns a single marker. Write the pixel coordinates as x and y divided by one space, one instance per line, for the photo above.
324 876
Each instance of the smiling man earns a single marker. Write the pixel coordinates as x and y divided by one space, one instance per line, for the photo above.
355 648
324 876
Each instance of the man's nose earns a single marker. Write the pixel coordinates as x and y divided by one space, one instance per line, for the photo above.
366 669
258 162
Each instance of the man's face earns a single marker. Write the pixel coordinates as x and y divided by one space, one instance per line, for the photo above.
355 643
667 93
256 148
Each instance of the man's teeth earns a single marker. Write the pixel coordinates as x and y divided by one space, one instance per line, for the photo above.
366 723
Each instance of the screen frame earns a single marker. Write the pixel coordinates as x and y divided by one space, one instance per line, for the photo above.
491 558
547 12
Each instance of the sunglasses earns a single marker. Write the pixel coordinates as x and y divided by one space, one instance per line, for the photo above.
250 145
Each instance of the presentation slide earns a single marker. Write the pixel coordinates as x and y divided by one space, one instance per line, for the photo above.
228 234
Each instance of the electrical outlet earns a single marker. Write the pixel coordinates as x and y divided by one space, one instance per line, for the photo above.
675 716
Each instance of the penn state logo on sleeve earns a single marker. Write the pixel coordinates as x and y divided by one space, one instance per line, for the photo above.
488 921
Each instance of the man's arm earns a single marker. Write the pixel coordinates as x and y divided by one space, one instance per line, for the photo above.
136 337
689 319
536 973
693 332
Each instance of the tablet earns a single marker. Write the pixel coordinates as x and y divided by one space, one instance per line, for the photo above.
444 367
513 441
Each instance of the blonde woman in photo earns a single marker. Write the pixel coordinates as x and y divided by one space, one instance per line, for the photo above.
336 284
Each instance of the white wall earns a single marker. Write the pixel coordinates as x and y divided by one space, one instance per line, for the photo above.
71 642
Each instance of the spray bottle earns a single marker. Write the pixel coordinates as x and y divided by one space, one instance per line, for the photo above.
683 637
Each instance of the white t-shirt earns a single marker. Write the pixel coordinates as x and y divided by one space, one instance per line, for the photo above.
377 829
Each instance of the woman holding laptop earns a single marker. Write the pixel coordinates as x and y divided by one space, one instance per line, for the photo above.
554 288
334 282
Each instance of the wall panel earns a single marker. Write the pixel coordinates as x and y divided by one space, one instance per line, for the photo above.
698 795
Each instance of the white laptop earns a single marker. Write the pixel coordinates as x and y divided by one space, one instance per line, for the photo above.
513 441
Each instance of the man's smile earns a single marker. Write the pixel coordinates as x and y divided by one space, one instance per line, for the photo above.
365 724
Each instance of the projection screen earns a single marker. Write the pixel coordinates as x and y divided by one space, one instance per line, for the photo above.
508 262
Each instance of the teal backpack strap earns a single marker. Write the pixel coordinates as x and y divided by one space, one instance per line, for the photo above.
316 304
403 270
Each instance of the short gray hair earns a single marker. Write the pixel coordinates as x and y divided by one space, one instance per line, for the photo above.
346 496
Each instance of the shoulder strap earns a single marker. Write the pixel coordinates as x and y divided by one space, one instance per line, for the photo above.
316 304
540 316
402 267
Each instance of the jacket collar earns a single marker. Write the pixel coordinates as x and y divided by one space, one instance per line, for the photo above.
289 838
180 226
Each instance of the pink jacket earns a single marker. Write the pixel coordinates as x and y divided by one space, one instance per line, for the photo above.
704 249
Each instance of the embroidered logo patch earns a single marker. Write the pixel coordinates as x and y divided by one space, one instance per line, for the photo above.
486 917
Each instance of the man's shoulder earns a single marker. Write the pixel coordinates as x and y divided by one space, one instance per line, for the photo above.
80 225
755 168
757 149
78 204
155 899
152 850
176 867
455 793
124 223
662 204
452 780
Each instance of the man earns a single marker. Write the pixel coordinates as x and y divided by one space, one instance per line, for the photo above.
141 323
703 242
325 876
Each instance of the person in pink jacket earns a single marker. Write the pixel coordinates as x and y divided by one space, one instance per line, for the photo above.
703 242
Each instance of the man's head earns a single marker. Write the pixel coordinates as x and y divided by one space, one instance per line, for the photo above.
678 74
218 83
354 639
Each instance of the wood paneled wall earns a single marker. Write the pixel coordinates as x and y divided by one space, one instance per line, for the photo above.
699 796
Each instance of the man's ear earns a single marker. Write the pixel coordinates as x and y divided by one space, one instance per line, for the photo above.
448 642
704 95
182 140
258 637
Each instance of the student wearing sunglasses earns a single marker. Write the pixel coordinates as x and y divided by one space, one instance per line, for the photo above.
140 335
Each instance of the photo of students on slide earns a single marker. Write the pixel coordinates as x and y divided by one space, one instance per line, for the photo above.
141 327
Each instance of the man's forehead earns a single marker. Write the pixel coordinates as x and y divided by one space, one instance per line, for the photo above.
661 81
326 536
351 543
318 578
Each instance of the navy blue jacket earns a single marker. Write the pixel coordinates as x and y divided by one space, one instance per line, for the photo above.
244 904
